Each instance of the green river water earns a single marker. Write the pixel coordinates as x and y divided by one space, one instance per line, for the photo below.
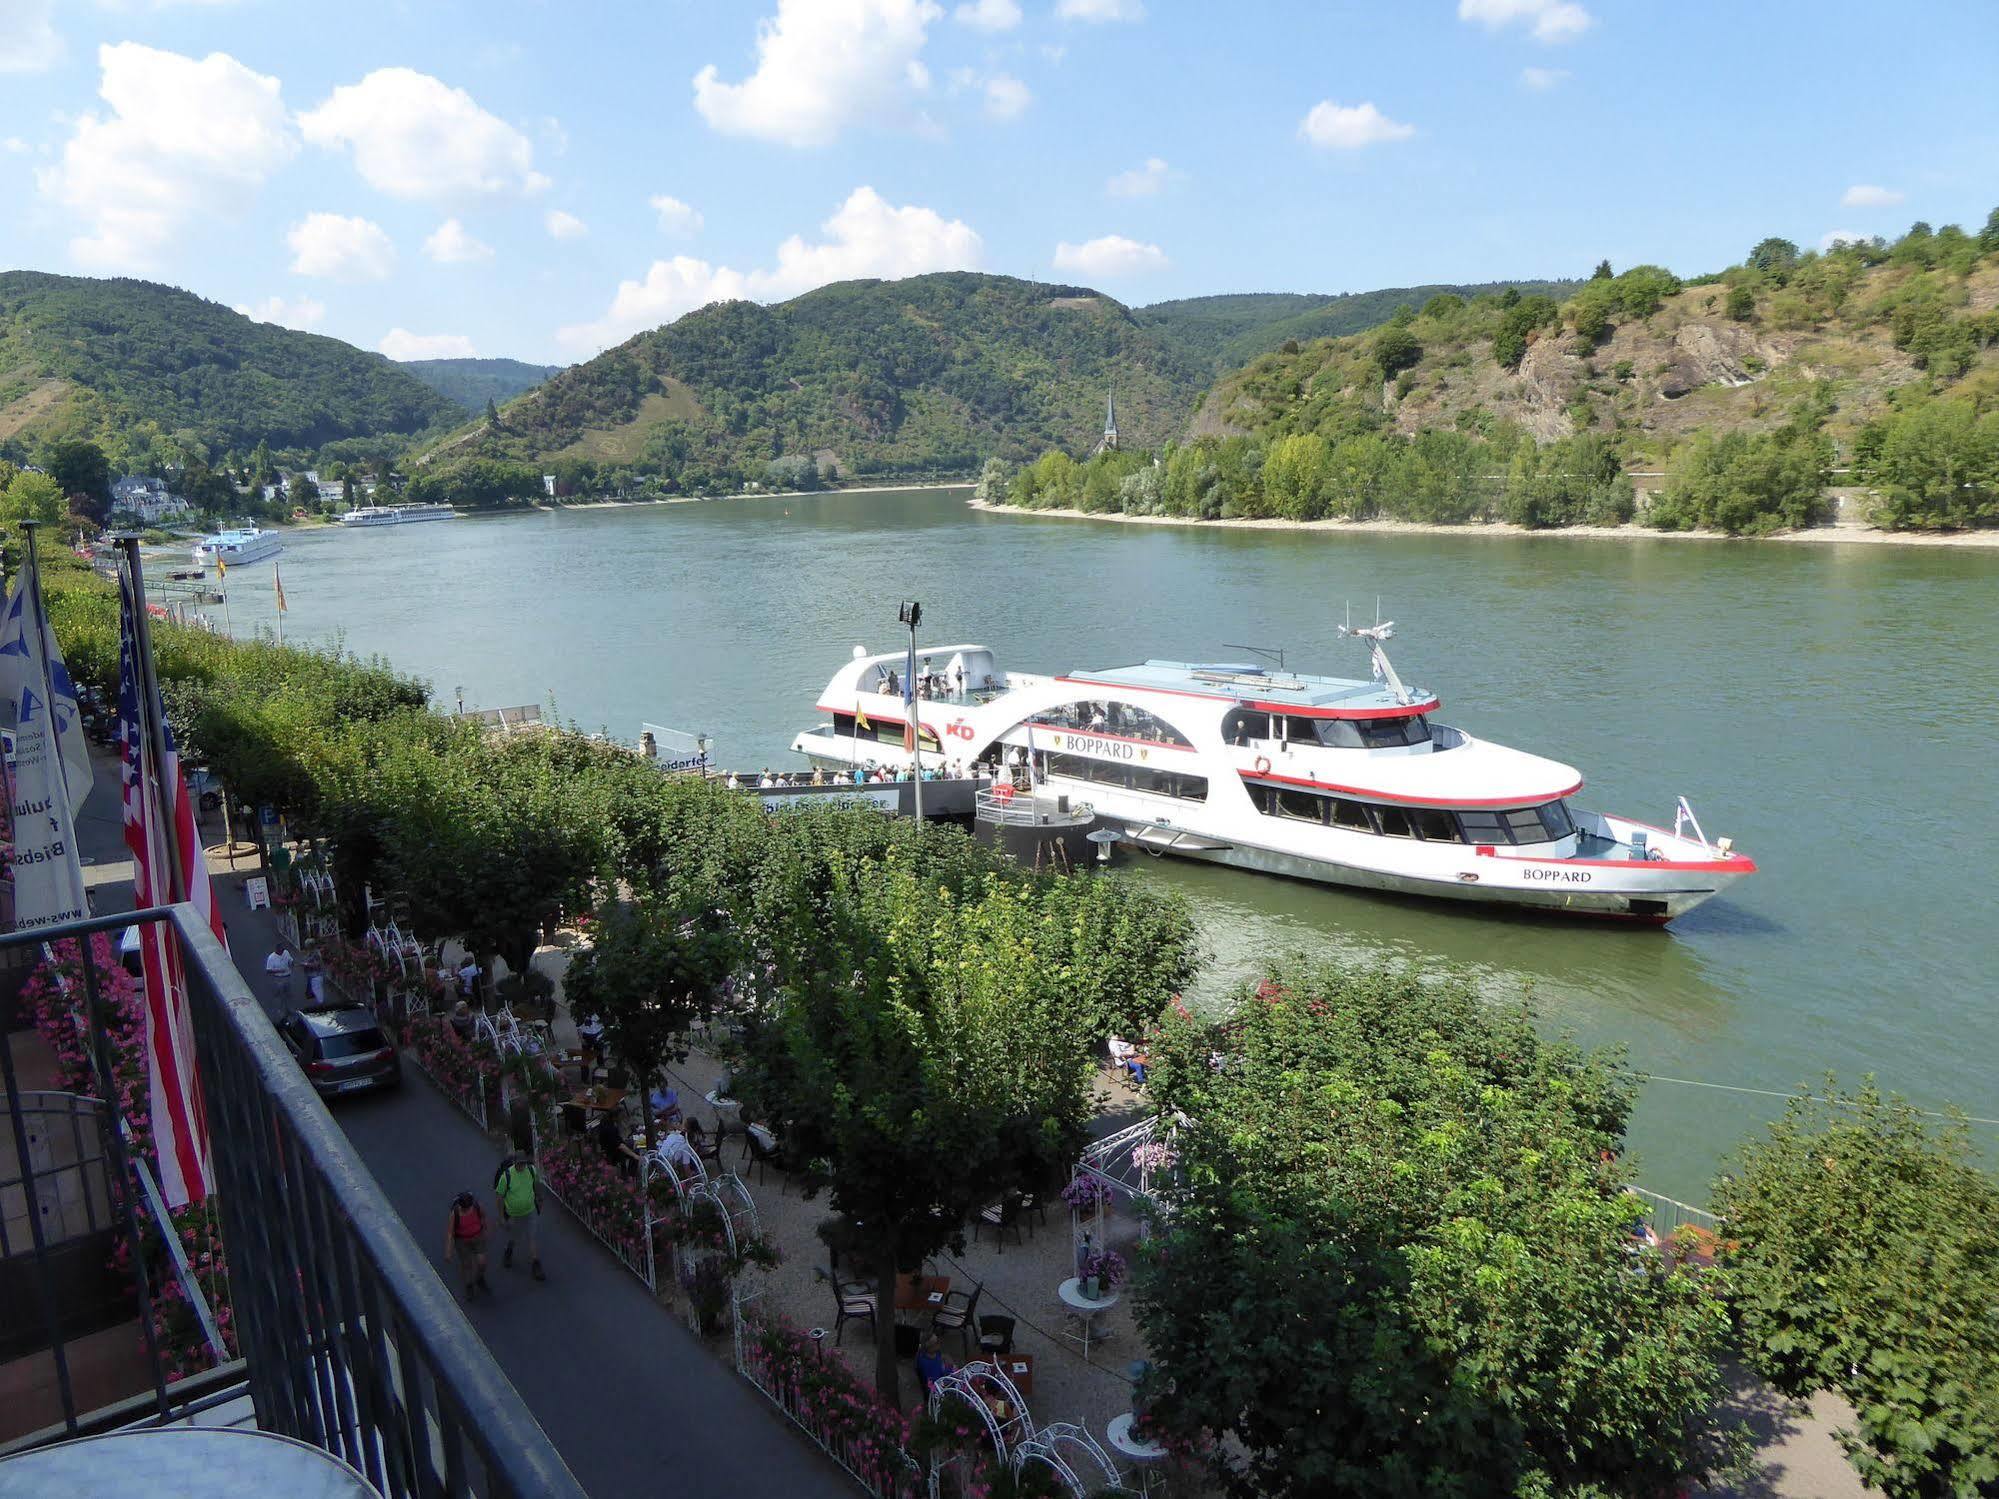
1829 707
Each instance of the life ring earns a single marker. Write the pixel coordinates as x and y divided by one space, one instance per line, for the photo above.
1003 791
1263 765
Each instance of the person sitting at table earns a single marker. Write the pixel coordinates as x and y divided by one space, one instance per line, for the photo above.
1127 1056
665 1104
611 1140
461 1020
708 1149
931 1365
679 1154
590 1038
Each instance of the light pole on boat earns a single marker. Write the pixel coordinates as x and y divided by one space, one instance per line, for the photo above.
911 614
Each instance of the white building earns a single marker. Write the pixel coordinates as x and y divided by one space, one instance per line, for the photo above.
147 499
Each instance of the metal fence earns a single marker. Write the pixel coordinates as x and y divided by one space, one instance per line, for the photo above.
348 1338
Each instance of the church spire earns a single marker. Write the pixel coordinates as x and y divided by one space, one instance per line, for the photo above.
1110 424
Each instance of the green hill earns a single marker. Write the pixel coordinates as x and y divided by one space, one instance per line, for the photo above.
1224 332
133 364
927 375
471 383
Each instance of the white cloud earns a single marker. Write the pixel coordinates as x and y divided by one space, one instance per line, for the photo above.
1140 182
300 312
866 236
28 38
918 75
1006 97
1542 79
1111 255
184 138
1841 237
1866 195
416 137
679 219
821 65
1548 20
988 15
450 244
400 344
1101 10
563 225
342 248
1348 127
14 146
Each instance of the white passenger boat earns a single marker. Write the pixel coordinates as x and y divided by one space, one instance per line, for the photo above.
237 547
1320 778
395 515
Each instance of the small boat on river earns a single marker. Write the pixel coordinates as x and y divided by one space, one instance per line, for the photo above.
237 547
1321 778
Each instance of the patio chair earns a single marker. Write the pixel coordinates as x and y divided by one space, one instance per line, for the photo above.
1001 1216
1032 1205
761 1157
995 1336
854 1302
957 1313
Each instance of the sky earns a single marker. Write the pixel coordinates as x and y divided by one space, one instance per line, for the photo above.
542 178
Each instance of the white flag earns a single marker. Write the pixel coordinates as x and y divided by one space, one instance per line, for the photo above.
48 878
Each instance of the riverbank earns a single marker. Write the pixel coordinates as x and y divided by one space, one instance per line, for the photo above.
1860 535
781 494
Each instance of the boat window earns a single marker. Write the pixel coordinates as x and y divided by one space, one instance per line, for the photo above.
1525 826
1483 827
1339 733
1241 725
1351 815
1389 733
1118 720
1304 805
1555 818
1434 825
1300 730
1131 777
1394 822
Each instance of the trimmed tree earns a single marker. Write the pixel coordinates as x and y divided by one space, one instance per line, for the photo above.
1395 1257
1864 1259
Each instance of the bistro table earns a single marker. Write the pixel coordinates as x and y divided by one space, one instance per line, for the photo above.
921 1293
1144 1453
598 1100
1018 1367
1085 1310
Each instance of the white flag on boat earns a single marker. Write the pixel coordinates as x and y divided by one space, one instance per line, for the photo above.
51 772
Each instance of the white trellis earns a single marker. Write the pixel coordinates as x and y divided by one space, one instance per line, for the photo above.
387 937
653 1165
979 1385
1128 1163
1076 1458
736 1213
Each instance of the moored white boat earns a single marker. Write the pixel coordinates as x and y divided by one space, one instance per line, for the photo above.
1321 778
236 547
395 515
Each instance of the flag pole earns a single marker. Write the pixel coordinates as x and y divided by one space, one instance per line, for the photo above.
278 587
152 731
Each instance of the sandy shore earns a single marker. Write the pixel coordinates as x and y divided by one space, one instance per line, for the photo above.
1861 535
695 499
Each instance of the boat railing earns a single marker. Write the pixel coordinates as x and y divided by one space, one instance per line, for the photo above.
1012 808
1669 1214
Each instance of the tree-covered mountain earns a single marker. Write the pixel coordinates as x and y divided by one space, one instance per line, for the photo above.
1225 332
920 376
471 383
156 374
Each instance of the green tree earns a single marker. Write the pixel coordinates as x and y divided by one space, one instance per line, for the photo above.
1741 304
1297 476
1988 237
992 485
1865 1259
1774 256
1602 271
84 474
1393 1256
1396 349
492 416
32 497
1935 465
1744 483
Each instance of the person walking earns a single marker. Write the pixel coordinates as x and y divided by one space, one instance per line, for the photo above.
278 967
465 1242
517 1191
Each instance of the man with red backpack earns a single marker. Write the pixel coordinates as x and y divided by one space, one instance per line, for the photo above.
465 1242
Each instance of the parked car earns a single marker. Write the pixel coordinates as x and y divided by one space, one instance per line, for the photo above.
343 1048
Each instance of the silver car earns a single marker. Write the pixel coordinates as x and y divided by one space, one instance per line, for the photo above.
343 1049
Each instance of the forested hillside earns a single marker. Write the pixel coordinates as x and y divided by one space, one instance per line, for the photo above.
894 378
1747 387
471 383
157 375
1222 333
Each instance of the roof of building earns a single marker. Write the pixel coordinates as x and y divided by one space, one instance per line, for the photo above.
1260 687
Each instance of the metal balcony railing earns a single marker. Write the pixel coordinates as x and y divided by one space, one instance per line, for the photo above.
348 1339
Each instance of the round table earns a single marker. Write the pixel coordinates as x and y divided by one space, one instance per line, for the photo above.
1071 1292
225 1463
1143 1453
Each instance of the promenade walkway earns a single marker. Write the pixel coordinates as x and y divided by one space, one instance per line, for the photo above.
632 1401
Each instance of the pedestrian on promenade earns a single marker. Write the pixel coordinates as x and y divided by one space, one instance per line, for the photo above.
465 1242
278 966
315 973
517 1190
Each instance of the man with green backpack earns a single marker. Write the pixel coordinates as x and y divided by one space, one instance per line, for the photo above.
517 1187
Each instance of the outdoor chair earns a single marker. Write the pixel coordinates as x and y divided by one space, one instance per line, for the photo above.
1001 1216
1032 1205
995 1336
760 1158
854 1302
957 1314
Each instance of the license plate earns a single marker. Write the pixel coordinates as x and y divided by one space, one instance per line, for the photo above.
359 1082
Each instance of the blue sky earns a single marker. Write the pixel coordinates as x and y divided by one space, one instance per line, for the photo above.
541 179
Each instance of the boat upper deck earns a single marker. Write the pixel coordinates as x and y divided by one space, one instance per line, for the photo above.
1255 686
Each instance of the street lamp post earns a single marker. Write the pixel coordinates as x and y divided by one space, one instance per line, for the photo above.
911 614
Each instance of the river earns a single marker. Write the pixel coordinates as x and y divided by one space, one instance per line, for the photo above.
1830 707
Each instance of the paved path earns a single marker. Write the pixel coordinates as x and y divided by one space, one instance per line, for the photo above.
631 1400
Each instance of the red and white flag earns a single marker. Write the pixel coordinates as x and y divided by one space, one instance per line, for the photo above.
158 808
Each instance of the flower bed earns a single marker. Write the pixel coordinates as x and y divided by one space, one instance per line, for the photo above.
467 1073
820 1391
53 994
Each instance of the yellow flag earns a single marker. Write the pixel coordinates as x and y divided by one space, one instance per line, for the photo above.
221 568
861 718
278 583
